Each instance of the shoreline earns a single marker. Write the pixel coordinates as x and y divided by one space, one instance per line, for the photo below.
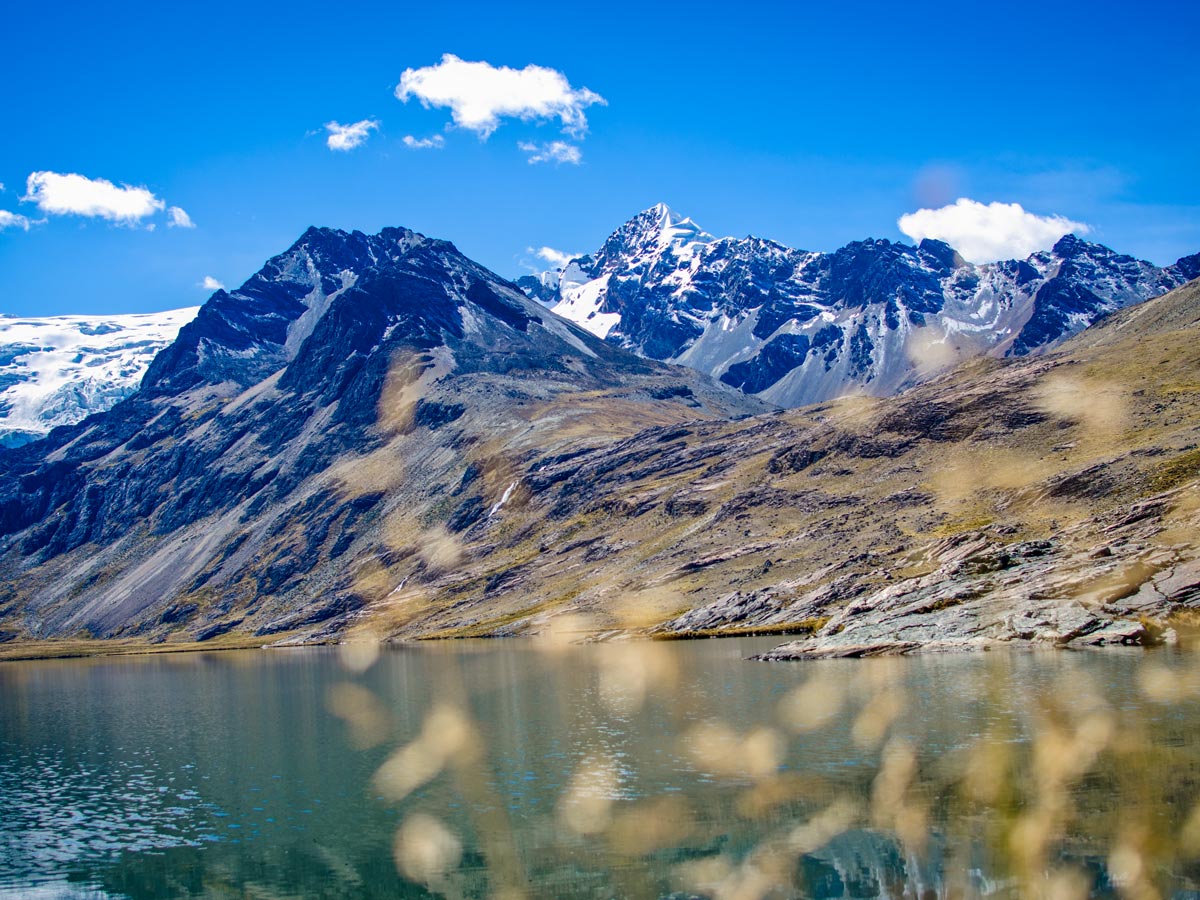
95 648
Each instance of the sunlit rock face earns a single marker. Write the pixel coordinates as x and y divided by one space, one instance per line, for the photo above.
873 317
355 403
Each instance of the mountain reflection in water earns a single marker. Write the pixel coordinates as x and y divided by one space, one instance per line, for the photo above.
675 769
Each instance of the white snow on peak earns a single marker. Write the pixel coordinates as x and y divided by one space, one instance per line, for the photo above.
655 239
679 233
58 370
581 304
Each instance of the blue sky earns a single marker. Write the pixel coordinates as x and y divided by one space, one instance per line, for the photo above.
812 126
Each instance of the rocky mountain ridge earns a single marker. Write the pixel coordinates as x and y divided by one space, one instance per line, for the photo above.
796 327
354 378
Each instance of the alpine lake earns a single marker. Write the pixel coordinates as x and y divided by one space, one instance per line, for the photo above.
520 768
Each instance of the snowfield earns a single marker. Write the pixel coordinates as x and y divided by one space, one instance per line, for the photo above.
58 370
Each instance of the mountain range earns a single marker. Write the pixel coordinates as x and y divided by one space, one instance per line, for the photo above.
797 327
789 326
353 388
376 435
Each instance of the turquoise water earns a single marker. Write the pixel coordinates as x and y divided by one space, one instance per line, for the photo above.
598 771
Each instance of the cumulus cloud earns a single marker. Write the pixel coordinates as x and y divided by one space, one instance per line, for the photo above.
60 195
177 218
988 232
12 220
479 94
211 284
430 143
556 258
347 137
555 151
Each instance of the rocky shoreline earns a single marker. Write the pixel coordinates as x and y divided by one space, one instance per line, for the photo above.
1110 581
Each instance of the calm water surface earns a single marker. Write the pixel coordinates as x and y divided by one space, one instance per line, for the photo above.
678 769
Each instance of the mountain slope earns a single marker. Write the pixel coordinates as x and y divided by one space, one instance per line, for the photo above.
873 317
361 399
440 456
58 370
1048 500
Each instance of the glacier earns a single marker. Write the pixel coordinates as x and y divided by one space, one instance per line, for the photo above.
58 370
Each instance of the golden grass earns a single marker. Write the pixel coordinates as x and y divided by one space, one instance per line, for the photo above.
802 627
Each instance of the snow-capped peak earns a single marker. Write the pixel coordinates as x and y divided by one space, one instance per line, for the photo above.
796 327
650 234
676 231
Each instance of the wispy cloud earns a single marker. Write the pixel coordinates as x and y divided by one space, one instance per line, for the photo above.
436 142
988 232
347 137
555 152
59 195
12 220
556 258
479 95
211 284
177 218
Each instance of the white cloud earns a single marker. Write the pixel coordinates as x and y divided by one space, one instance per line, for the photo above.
177 218
61 195
437 142
211 284
988 232
556 258
12 220
555 151
479 94
347 137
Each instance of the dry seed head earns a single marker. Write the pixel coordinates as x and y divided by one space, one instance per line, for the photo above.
823 827
425 849
1100 407
1163 685
1189 837
930 351
651 826
447 737
379 470
560 633
629 671
439 549
1068 884
877 717
812 704
374 580
896 771
647 607
586 806
704 876
716 748
449 731
361 710
407 769
359 655
987 770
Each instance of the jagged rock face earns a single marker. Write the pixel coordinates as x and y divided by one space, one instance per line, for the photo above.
873 317
58 370
354 379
